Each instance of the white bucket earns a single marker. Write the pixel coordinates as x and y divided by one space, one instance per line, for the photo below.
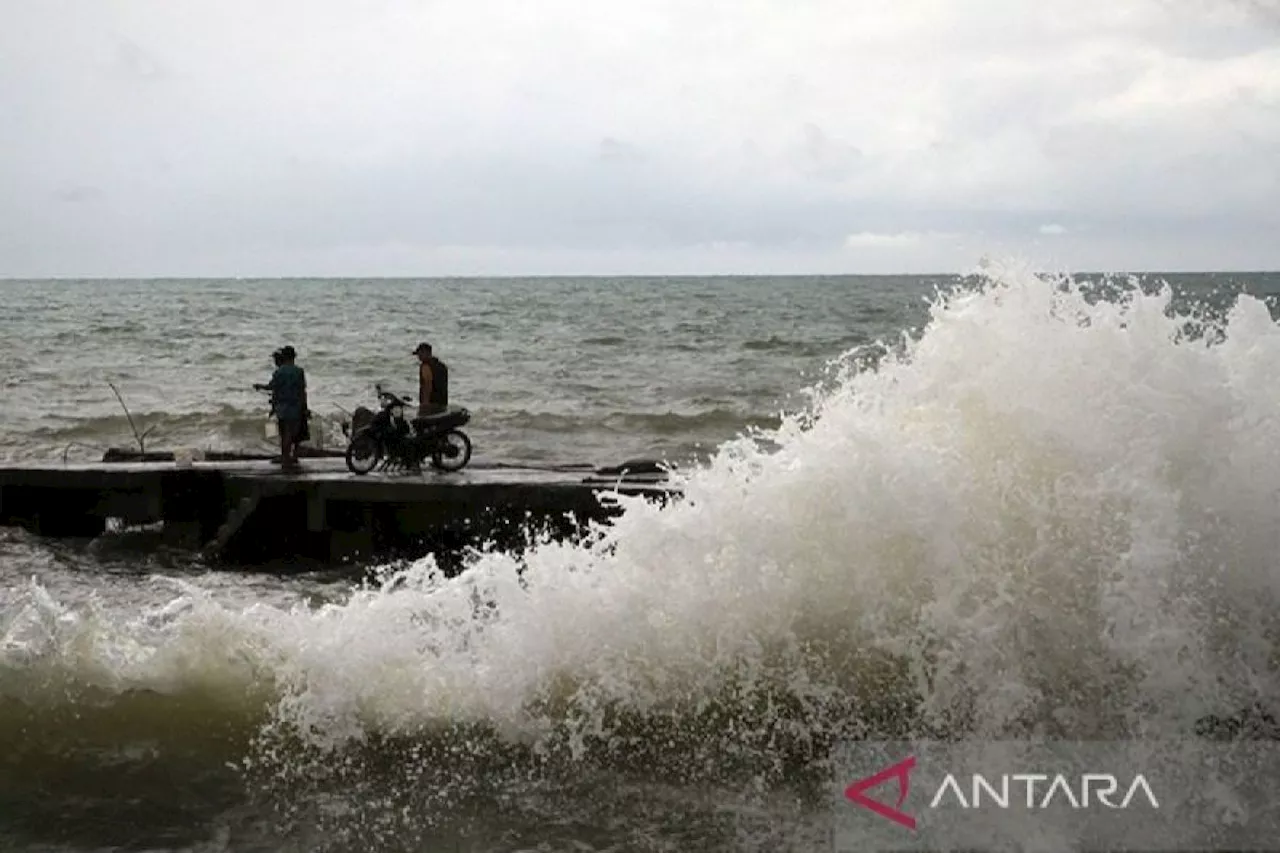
272 430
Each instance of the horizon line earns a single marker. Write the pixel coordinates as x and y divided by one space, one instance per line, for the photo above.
640 276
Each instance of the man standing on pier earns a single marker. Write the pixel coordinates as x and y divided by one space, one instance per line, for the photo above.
433 382
288 387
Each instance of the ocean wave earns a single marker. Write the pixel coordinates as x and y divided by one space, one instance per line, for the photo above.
1046 516
728 422
807 348
232 428
217 428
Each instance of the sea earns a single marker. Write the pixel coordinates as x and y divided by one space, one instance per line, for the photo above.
1005 504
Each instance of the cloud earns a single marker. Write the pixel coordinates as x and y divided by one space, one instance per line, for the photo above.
824 158
325 138
895 240
1265 10
78 194
1052 229
615 151
133 61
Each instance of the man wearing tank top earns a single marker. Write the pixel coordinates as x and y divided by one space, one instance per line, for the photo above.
433 382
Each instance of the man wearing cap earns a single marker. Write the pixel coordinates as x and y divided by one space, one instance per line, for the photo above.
433 382
288 387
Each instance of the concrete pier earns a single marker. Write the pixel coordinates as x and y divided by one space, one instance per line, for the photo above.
249 511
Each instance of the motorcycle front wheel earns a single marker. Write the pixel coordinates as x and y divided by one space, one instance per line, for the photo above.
452 452
363 453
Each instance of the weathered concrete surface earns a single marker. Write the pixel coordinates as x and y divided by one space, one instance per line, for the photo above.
253 512
313 473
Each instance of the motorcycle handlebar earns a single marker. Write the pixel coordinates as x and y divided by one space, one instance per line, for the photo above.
395 399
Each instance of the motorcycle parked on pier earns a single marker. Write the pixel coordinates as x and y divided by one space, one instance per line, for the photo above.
387 441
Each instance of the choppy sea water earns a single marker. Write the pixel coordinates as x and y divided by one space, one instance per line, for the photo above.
582 370
1048 511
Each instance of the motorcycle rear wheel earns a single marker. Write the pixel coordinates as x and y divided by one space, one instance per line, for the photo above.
363 453
453 451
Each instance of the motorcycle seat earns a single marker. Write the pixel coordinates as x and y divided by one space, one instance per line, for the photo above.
361 418
453 416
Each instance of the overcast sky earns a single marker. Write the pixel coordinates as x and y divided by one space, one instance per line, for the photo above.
492 137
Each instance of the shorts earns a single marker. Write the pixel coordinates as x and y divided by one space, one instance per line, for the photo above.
290 428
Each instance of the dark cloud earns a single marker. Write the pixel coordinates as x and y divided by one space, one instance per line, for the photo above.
1264 11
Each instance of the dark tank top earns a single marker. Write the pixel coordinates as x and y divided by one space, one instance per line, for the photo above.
439 382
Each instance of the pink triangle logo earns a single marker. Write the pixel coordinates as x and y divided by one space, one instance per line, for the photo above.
900 771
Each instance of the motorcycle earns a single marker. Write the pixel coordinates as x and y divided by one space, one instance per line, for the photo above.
387 441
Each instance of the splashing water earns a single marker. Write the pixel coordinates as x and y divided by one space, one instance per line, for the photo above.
1047 514
1052 514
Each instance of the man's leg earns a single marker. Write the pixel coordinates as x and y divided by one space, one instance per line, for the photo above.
288 441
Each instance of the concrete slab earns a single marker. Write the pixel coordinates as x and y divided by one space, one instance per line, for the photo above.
255 508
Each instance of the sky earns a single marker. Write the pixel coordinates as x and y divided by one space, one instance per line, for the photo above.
649 137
